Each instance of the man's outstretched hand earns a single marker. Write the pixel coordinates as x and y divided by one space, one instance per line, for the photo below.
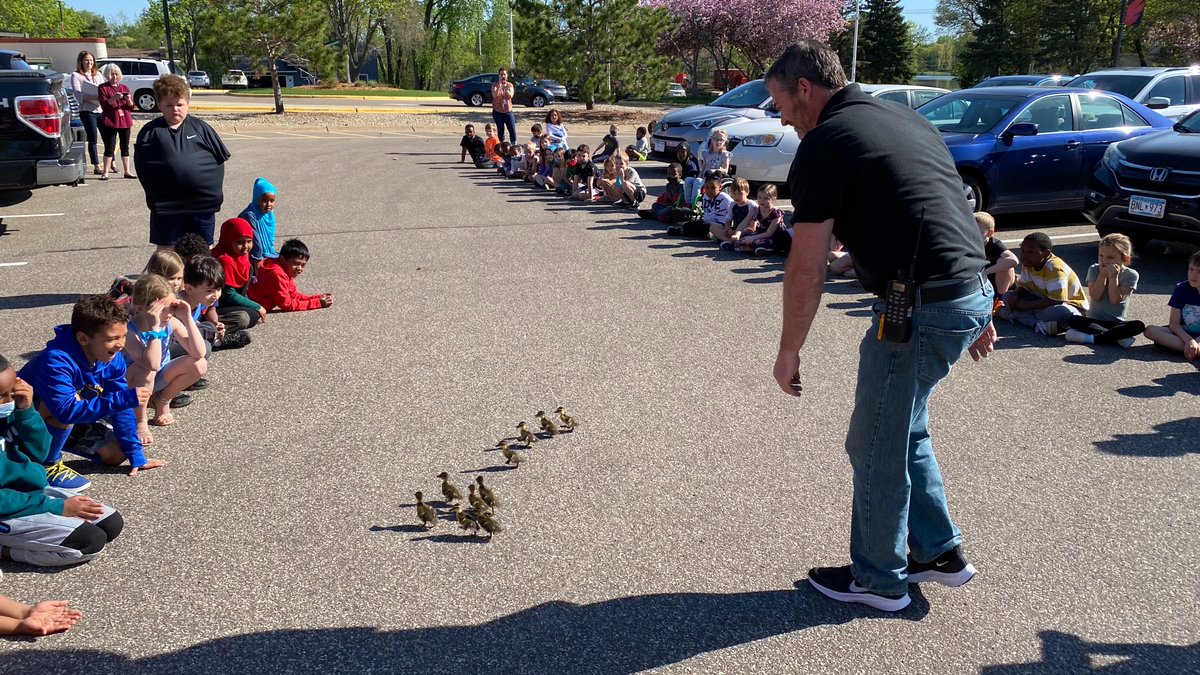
985 344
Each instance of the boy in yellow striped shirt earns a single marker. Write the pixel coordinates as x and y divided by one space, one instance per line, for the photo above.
1048 292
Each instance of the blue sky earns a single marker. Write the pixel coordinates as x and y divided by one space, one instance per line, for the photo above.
920 11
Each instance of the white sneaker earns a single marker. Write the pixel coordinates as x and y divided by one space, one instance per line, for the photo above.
1126 342
1079 337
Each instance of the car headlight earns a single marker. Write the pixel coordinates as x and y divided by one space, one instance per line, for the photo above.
762 140
710 123
1112 158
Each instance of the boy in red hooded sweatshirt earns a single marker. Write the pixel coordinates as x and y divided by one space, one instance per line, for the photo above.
275 285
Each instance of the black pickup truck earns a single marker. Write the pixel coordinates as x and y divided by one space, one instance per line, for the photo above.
37 146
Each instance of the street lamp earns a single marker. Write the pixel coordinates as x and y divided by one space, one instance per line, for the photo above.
854 49
512 54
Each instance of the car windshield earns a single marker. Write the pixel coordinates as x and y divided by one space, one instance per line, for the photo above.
197 73
1008 81
749 95
968 114
1125 85
1190 124
550 83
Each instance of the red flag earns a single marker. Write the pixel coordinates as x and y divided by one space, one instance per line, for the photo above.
1133 12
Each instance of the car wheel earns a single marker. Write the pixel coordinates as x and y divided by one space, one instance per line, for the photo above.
538 101
475 100
144 100
973 191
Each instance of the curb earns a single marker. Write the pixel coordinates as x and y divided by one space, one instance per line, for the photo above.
327 110
341 97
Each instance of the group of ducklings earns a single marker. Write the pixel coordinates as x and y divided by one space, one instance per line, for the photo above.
482 501
527 438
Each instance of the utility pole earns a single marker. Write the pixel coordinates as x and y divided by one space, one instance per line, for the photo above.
62 23
167 26
512 54
854 49
1120 33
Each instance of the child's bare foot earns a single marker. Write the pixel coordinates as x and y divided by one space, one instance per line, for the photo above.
144 435
162 411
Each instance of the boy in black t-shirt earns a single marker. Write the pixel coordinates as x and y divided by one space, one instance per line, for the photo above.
583 177
1002 263
472 145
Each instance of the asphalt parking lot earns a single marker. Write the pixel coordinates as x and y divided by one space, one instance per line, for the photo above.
668 532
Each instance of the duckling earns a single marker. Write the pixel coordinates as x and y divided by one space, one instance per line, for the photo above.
476 501
425 512
548 425
525 435
568 422
452 493
465 521
489 523
512 456
486 493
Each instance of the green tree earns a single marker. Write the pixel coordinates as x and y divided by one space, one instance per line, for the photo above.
40 18
355 24
191 20
1005 43
884 47
270 30
1075 36
606 46
94 25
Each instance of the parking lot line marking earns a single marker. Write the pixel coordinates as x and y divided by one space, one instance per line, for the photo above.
291 133
261 138
347 133
32 215
16 264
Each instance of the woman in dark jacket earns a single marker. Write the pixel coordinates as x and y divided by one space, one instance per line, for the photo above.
116 119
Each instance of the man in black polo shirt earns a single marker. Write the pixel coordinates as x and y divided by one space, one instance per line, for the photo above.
181 164
878 176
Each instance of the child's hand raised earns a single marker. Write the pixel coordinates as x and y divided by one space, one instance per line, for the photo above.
181 309
22 394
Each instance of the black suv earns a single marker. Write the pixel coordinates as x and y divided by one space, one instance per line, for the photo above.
477 90
1149 187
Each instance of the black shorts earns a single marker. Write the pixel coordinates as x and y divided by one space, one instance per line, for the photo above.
165 230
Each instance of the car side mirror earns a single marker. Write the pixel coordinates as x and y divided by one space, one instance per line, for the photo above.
1158 103
1020 129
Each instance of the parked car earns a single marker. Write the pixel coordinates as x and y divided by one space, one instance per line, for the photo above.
235 79
198 79
1025 81
139 75
1172 92
39 147
1033 148
477 90
1149 187
676 90
692 125
763 149
558 91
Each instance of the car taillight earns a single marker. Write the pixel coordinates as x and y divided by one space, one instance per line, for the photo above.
459 85
40 113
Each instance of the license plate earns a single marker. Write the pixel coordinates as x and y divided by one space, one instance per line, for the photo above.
660 146
1151 207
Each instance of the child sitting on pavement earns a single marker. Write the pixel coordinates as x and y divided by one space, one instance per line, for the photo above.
717 205
544 178
840 262
79 379
640 150
1183 328
190 246
740 215
628 190
668 205
472 145
690 173
203 280
1111 283
768 226
260 213
235 310
1048 292
607 181
39 524
532 162
275 286
1002 263
582 177
608 146
166 264
160 318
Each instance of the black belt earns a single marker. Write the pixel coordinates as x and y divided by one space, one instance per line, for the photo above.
947 292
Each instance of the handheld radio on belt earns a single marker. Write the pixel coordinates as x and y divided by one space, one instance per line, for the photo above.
895 324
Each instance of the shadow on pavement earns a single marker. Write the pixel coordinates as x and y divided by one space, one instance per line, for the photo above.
1065 654
1169 439
1165 386
623 635
34 300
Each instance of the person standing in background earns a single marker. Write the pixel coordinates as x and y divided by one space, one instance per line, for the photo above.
116 120
502 110
85 82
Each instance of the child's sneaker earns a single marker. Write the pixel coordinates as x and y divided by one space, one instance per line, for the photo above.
764 250
63 477
1126 342
235 340
1078 337
675 230
727 246
1047 327
198 385
949 569
838 583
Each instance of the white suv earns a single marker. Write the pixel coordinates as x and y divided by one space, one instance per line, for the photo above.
139 75
1171 92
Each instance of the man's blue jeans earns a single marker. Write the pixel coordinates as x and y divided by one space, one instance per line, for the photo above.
898 490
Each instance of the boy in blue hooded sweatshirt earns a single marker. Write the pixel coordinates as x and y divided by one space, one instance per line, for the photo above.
260 213
77 379
41 525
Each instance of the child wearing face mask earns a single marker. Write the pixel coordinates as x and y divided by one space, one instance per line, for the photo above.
666 208
40 524
260 213
233 248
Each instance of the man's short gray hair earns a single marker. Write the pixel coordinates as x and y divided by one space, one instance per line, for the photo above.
811 60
